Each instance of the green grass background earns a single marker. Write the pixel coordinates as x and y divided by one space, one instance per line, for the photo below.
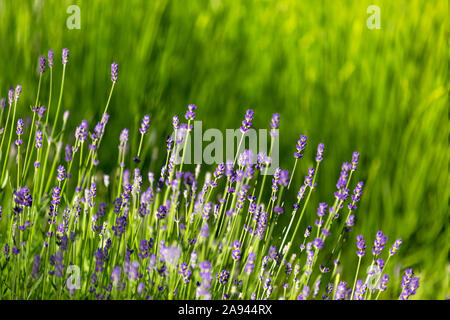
381 92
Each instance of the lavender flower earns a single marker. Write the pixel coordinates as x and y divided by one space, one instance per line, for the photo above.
175 123
42 64
161 212
19 132
123 139
36 266
205 285
380 241
319 156
247 123
356 196
61 174
274 124
17 92
223 276
81 132
309 178
341 290
384 282
318 243
50 58
308 232
65 56
409 284
395 247
355 159
361 245
236 252
114 72
38 143
322 210
190 113
145 124
300 146
22 197
360 290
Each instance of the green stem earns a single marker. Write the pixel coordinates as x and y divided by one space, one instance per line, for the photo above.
356 277
9 141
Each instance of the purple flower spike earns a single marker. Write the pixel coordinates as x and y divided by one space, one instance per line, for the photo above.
42 64
247 123
190 114
355 159
380 241
223 276
308 232
17 92
340 291
309 178
322 210
114 72
65 56
11 96
50 58
123 138
301 145
410 284
384 282
61 173
395 247
175 123
319 156
38 139
274 124
36 267
145 124
161 212
3 103
318 243
361 245
19 132
41 112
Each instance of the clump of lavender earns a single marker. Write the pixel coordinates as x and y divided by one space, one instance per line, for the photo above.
182 235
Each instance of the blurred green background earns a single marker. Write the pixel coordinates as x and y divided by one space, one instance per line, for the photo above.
382 92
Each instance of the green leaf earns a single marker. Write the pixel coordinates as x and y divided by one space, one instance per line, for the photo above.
35 286
5 180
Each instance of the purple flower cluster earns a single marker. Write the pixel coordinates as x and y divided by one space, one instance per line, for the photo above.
320 149
114 72
247 122
42 64
361 245
274 124
65 56
50 57
19 132
145 124
300 146
190 113
410 284
380 242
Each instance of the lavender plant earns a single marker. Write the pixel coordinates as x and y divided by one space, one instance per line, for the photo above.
186 235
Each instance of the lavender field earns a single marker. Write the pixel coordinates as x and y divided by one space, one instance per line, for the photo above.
101 194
